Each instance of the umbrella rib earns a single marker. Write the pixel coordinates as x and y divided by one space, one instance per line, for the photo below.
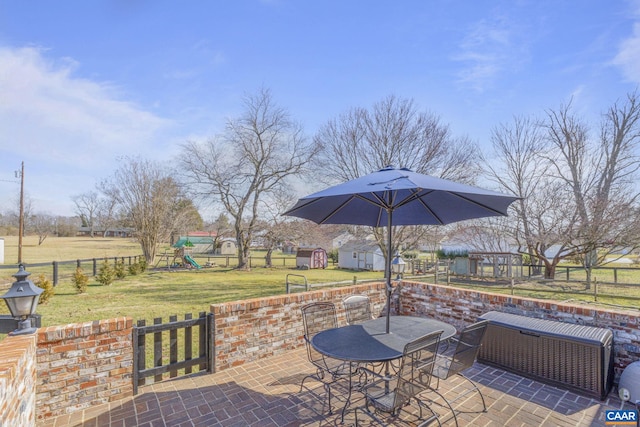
480 204
337 209
415 195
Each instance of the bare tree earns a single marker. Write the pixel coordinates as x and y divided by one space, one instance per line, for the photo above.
66 226
219 229
520 168
87 206
393 132
577 193
276 229
107 214
256 155
149 198
601 176
43 224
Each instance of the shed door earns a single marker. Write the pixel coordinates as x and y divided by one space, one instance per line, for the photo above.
318 259
362 260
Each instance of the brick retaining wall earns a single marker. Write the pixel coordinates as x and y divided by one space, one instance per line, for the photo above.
461 306
83 364
17 381
252 329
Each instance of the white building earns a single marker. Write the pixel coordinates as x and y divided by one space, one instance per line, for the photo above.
361 256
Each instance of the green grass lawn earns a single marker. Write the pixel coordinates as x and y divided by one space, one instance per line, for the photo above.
161 293
67 248
155 293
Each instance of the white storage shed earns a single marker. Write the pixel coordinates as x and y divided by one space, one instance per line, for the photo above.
361 256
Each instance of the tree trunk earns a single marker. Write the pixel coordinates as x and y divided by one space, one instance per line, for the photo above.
267 258
589 272
243 255
549 271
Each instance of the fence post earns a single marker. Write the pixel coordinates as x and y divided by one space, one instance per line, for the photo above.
211 342
567 273
78 264
188 344
95 267
202 350
139 362
157 348
173 347
55 273
615 274
595 289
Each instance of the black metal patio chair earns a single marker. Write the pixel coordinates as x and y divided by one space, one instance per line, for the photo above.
317 317
391 393
462 357
357 309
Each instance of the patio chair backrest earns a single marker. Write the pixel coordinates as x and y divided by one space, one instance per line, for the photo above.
317 317
357 309
467 347
416 368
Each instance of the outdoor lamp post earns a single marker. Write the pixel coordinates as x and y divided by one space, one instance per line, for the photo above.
22 300
397 266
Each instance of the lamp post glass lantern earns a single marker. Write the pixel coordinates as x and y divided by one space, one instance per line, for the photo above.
398 265
22 300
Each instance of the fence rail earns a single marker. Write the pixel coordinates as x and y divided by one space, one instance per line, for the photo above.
64 269
230 261
154 336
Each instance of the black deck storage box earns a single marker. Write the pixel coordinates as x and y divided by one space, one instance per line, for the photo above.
576 357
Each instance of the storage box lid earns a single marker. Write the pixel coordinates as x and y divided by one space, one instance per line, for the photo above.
554 328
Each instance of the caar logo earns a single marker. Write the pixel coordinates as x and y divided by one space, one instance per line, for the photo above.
621 417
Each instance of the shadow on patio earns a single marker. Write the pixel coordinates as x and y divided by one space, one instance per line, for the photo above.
266 393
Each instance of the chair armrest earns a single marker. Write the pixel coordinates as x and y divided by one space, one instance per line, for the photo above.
447 345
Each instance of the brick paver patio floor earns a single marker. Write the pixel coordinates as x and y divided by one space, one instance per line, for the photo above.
267 393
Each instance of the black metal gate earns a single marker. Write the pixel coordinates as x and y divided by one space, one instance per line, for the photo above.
166 352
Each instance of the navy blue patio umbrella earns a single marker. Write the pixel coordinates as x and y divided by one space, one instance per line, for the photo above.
392 197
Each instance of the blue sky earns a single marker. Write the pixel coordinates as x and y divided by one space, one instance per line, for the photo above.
83 82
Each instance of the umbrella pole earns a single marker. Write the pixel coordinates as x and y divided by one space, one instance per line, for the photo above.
388 266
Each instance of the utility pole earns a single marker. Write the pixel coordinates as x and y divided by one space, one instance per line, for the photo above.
21 226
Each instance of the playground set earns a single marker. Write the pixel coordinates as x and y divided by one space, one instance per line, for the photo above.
181 257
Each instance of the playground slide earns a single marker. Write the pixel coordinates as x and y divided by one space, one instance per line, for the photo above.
191 261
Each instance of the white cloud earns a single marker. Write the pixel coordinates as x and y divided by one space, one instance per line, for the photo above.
68 130
486 51
58 117
628 56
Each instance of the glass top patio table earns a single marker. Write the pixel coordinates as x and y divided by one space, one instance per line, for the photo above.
368 341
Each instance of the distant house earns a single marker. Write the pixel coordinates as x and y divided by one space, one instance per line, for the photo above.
198 245
361 255
109 232
341 239
311 258
288 247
